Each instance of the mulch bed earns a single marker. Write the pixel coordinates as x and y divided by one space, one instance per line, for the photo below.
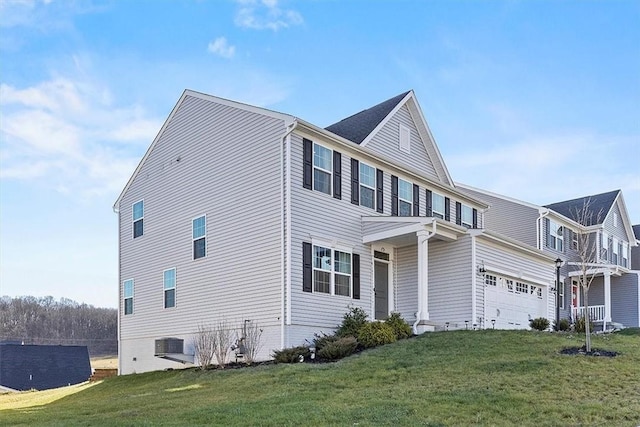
594 352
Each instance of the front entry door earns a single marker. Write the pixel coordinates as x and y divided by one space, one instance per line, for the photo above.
381 280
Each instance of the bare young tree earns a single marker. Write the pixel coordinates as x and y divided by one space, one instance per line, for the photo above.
251 340
205 343
223 342
587 252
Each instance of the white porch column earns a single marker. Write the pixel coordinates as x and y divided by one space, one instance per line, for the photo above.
607 298
422 322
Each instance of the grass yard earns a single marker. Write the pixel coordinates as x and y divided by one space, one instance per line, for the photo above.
445 378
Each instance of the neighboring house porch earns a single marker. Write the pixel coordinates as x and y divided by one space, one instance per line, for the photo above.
614 296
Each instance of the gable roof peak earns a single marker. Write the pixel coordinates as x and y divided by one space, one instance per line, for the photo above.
358 126
598 203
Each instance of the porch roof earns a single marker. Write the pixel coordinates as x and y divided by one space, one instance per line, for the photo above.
402 230
597 269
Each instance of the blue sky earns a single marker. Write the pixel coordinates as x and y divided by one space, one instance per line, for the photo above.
538 100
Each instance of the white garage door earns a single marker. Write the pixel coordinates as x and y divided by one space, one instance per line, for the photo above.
512 303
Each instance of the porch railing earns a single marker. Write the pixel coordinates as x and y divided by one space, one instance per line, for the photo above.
596 312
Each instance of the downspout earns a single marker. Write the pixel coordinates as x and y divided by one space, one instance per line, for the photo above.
285 234
539 228
420 290
474 283
116 210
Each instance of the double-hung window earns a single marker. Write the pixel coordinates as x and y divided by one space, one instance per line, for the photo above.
138 219
556 236
127 296
331 271
467 216
367 186
169 287
437 205
199 235
574 241
405 198
605 246
322 168
615 251
625 254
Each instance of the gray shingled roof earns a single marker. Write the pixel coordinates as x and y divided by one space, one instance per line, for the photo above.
599 203
356 128
636 231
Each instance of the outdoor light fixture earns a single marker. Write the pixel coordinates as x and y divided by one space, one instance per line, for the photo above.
466 325
493 323
481 268
558 265
446 326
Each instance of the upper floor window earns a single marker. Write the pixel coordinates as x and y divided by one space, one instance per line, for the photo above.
437 205
467 216
322 169
555 238
405 197
127 296
625 254
199 235
574 241
331 271
367 186
169 287
604 252
138 219
615 251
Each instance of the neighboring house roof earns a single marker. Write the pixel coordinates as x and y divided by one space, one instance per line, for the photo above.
599 204
636 231
358 127
42 367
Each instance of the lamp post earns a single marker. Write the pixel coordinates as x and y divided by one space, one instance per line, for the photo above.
558 265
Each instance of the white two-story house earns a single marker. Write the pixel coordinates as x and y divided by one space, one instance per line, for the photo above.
614 295
245 214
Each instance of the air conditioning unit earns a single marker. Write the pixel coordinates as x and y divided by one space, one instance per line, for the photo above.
169 346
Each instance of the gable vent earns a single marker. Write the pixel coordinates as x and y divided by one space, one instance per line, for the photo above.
405 139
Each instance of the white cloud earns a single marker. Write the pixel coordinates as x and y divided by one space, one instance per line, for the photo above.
221 47
60 133
265 15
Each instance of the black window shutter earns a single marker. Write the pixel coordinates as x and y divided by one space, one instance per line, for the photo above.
447 209
547 232
355 182
337 175
475 218
429 203
416 200
394 195
307 163
307 268
356 276
379 191
458 213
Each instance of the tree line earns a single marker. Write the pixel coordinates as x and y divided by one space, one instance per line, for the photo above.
43 320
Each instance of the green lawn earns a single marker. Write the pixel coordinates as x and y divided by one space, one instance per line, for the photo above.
445 378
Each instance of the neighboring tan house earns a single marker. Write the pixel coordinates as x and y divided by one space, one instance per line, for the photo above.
614 295
241 213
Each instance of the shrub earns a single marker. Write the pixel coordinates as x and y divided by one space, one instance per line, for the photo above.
352 321
376 333
629 331
291 355
320 341
341 347
562 325
579 326
400 327
539 323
